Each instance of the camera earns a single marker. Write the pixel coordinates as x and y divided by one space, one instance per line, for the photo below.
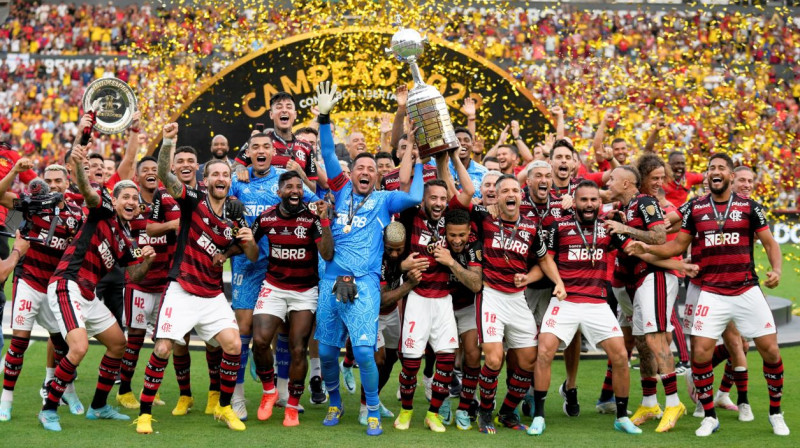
40 201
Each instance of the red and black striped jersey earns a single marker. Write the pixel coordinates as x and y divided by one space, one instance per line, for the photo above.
292 247
422 237
297 150
202 235
583 269
391 279
543 215
694 250
725 254
508 253
391 181
156 279
100 243
471 256
41 260
643 212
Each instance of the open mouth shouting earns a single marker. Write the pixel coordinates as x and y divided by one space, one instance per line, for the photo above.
716 182
435 212
150 180
562 171
283 119
129 212
511 205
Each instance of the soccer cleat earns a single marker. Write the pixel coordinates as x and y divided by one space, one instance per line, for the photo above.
645 413
682 368
284 403
570 396
144 424
5 411
606 407
625 425
184 404
318 395
291 417
49 420
745 413
267 404
428 383
74 403
510 421
528 405
333 416
363 414
779 427
446 413
485 423
228 416
699 412
105 413
463 422
670 417
349 378
384 411
239 406
128 401
537 426
434 422
723 401
374 427
690 388
403 420
213 401
708 426
157 401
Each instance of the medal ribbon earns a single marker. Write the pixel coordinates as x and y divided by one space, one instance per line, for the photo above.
721 220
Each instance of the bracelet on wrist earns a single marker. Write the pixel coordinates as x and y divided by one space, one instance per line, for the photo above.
168 141
19 253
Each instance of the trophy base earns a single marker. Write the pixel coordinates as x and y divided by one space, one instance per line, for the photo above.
429 151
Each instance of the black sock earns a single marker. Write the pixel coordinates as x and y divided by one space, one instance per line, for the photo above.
622 407
539 397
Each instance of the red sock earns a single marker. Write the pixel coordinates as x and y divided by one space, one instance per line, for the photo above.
440 386
408 380
16 350
488 385
129 361
518 383
296 389
469 382
773 373
213 359
228 370
153 375
267 378
65 373
183 371
703 375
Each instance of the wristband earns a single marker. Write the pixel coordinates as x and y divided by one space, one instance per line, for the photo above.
470 118
518 138
325 222
134 130
19 254
168 142
323 119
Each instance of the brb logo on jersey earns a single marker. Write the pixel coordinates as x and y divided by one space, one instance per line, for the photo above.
208 245
582 254
105 255
512 245
722 239
288 254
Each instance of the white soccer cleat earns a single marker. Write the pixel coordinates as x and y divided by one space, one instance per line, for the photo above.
699 412
723 401
779 427
708 426
745 413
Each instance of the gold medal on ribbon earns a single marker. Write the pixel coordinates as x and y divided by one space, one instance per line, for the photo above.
347 228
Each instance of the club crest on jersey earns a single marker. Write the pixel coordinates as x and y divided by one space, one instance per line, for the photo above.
227 233
736 215
300 232
556 212
525 235
72 222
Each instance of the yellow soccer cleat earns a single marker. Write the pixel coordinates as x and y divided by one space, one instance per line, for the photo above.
228 416
403 421
213 401
144 424
128 401
670 417
183 405
434 421
645 413
157 401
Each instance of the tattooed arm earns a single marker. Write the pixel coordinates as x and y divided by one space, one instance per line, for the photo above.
171 183
656 235
90 196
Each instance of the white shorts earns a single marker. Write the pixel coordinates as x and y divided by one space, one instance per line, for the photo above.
280 302
595 321
182 311
140 308
749 311
653 303
506 316
538 300
692 294
389 330
428 321
72 310
465 319
624 306
31 306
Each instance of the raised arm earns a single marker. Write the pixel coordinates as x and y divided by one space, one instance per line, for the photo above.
558 112
171 183
128 164
326 99
78 158
467 188
469 109
325 244
7 198
652 139
524 151
400 116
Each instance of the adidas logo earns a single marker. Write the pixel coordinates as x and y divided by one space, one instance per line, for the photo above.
571 232
705 218
363 337
272 231
205 220
453 340
175 208
649 324
615 329
768 325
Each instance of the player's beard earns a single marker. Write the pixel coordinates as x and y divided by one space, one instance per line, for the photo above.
292 209
725 185
587 220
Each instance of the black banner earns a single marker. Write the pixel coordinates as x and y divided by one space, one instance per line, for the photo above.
236 99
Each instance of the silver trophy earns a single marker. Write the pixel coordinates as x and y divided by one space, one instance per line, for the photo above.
426 106
113 102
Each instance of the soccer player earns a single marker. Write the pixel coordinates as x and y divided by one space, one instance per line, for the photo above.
463 256
289 292
514 256
580 246
353 276
475 170
103 241
743 181
654 298
428 316
488 192
722 226
257 194
30 303
142 299
194 297
385 163
400 178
